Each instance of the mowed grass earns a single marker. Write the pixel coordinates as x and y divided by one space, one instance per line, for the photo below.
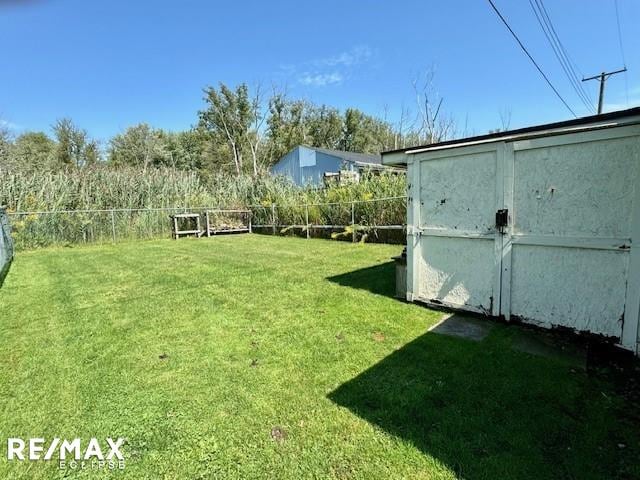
264 357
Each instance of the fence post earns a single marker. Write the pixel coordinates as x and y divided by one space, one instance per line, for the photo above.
353 222
306 218
273 218
113 225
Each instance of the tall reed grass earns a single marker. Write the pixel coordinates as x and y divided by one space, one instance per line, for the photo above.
103 188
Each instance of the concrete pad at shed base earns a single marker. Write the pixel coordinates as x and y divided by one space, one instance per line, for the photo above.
542 343
462 326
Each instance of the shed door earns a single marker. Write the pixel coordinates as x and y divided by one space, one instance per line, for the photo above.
456 251
566 255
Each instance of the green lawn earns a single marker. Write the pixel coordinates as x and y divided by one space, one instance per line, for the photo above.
196 350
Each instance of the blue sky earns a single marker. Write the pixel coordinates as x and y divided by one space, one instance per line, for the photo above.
111 64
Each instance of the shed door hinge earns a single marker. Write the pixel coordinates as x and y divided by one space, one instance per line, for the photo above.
416 231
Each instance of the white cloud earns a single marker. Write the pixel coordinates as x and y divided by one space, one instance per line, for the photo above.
330 70
320 79
349 58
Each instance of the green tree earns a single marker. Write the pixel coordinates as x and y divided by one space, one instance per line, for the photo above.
34 151
91 153
286 126
324 125
228 117
355 136
295 122
74 148
140 146
6 146
365 133
185 150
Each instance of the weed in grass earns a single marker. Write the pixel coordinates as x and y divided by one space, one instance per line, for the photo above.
279 434
378 336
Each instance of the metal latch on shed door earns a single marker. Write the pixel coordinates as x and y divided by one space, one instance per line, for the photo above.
502 219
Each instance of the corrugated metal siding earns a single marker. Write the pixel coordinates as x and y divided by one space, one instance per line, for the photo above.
6 245
306 166
323 163
289 166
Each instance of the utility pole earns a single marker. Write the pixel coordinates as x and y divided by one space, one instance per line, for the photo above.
603 78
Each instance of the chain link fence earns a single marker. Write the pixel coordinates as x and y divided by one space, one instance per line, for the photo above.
374 220
379 220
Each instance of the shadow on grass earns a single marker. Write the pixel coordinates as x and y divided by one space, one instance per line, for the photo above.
379 279
486 411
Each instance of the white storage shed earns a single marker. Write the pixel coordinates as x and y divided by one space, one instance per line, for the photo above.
539 225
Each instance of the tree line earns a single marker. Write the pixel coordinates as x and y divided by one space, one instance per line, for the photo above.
238 130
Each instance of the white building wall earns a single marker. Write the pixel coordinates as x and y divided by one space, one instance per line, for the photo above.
567 257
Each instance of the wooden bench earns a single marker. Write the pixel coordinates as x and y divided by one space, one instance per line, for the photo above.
188 216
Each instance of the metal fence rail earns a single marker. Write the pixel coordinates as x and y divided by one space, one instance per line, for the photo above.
358 218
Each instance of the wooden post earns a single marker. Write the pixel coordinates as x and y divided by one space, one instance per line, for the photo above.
113 225
208 226
250 215
353 222
306 218
273 218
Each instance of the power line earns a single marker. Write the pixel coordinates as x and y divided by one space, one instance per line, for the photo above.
564 50
624 61
555 46
524 49
619 32
560 51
